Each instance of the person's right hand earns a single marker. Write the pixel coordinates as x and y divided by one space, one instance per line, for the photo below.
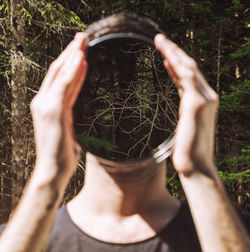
57 152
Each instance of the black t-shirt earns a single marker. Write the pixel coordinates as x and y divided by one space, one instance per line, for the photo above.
178 236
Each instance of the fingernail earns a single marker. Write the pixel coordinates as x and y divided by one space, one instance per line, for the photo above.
80 35
80 40
159 37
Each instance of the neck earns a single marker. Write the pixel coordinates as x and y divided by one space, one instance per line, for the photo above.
121 194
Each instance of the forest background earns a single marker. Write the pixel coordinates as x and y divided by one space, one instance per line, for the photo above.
214 33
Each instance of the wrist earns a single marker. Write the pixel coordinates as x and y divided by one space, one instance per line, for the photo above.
49 175
190 167
45 196
202 175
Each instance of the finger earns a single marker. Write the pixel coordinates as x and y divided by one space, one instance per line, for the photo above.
177 62
166 46
79 42
204 88
172 73
55 67
70 75
82 38
182 148
77 84
187 131
68 120
183 68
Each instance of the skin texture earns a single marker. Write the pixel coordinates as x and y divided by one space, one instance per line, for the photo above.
111 198
120 206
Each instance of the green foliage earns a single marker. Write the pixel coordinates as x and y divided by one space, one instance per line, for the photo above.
4 64
232 177
244 158
26 14
55 15
173 182
93 143
237 99
4 7
241 160
243 51
75 19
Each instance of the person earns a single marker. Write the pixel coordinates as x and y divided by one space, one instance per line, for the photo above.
117 209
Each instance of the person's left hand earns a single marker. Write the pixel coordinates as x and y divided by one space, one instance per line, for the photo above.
194 138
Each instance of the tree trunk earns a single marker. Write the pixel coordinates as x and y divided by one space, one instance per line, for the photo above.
5 151
19 100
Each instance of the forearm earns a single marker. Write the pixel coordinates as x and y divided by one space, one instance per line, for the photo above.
218 225
29 228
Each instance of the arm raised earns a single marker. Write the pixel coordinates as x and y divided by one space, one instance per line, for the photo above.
57 152
218 226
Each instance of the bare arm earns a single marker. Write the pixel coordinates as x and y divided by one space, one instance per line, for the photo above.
217 224
56 149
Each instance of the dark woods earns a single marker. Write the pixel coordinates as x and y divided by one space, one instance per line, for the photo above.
130 103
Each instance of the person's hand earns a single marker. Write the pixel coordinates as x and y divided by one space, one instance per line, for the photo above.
57 152
194 139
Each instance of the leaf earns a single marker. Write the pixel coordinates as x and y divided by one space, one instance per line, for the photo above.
229 178
95 143
244 50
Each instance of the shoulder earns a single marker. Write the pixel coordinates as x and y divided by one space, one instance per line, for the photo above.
63 234
181 234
